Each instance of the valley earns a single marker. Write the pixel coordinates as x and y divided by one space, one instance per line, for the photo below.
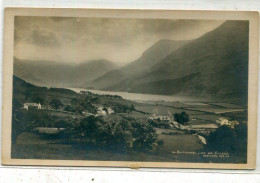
50 129
178 101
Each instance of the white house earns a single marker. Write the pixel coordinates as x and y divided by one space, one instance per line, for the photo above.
32 105
161 118
103 111
110 110
223 121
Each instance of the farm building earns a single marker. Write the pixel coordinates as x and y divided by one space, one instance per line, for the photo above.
103 111
28 106
84 92
160 118
224 121
110 111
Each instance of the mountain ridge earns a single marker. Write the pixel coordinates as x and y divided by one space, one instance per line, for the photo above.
221 58
151 56
48 73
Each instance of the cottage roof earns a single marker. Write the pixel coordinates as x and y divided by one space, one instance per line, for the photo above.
31 104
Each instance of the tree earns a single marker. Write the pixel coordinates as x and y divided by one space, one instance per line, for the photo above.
28 94
103 133
68 108
56 104
182 117
145 137
114 134
132 107
16 104
37 99
117 133
20 123
122 108
226 139
241 140
222 139
87 130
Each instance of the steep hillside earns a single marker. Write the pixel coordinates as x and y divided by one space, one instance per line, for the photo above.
148 59
23 90
219 60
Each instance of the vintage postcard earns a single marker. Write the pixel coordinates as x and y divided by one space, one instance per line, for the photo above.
130 88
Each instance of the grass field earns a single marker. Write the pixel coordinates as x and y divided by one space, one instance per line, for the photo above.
182 142
36 146
217 111
33 146
227 105
158 109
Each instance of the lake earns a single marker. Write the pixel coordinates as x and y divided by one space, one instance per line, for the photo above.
141 97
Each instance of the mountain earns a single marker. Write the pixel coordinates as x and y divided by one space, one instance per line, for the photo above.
149 58
48 73
214 66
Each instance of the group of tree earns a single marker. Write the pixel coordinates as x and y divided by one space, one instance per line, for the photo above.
21 121
121 133
27 120
122 108
182 118
226 139
145 137
88 93
113 96
37 99
78 105
56 104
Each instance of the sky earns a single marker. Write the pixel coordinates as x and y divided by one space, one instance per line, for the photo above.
76 40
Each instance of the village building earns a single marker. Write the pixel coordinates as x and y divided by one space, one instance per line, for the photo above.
160 118
28 106
83 92
110 110
103 111
223 121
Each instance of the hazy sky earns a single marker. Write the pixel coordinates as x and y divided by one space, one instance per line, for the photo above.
81 39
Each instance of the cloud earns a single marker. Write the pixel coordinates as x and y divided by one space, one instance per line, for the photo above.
116 39
44 37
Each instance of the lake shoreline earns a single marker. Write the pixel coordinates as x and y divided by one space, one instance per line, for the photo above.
141 97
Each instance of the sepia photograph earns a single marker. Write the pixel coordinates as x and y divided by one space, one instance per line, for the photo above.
115 87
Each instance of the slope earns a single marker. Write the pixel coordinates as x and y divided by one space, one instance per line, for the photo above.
220 58
149 58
